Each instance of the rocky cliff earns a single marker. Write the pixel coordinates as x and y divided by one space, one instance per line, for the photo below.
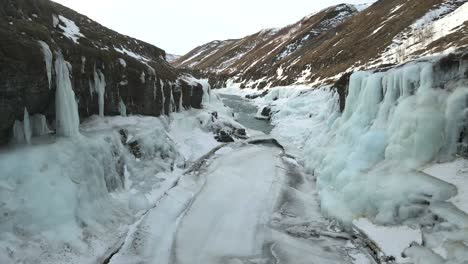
111 73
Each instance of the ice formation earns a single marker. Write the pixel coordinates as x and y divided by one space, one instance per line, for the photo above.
393 123
70 29
39 125
83 64
143 77
122 108
99 87
18 132
163 98
27 126
172 103
66 109
47 59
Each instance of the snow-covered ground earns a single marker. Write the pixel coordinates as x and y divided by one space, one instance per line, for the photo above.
247 204
71 199
386 157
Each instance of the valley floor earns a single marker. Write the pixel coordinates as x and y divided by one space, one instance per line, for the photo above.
248 204
144 190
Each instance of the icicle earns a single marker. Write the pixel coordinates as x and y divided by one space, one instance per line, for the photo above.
47 59
163 97
100 89
66 108
171 107
122 108
83 64
155 91
18 132
39 125
181 100
142 77
27 126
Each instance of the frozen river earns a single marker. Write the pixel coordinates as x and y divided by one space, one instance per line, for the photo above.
245 113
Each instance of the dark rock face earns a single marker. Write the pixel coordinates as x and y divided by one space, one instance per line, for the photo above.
266 112
134 72
223 136
253 96
341 87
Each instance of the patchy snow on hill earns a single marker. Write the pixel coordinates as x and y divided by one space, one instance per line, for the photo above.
132 54
171 57
70 29
434 25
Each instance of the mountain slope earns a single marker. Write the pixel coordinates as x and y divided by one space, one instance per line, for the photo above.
110 72
335 40
269 48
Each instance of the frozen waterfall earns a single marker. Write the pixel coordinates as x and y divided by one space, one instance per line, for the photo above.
47 59
394 123
67 118
100 88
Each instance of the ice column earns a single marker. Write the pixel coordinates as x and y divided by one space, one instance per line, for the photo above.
66 108
100 89
163 97
122 108
27 126
47 59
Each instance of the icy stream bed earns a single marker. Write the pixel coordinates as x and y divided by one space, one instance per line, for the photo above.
245 112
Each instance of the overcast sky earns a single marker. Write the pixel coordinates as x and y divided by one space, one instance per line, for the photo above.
178 26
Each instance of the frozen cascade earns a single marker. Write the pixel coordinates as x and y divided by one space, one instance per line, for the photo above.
206 99
143 77
67 118
47 59
171 107
163 97
181 100
31 126
122 108
18 132
100 89
27 126
393 123
39 125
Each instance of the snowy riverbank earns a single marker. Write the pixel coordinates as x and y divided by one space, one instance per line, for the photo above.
384 158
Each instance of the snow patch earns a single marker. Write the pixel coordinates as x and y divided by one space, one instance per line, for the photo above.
392 240
70 29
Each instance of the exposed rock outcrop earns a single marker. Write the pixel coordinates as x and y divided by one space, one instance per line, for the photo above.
109 71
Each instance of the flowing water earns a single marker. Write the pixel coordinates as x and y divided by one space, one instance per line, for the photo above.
245 113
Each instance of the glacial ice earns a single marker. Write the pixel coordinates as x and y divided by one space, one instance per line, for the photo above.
66 109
